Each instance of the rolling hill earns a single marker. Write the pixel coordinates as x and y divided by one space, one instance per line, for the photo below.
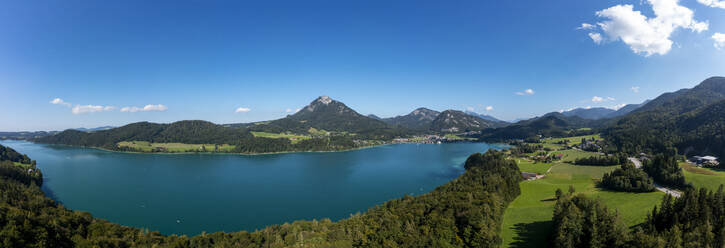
451 121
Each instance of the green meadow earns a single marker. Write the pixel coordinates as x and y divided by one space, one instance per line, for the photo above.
530 166
527 220
292 137
702 177
145 146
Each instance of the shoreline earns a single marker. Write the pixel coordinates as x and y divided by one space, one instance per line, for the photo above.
242 154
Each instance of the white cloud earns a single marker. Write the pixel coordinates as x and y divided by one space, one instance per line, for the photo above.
297 110
59 101
648 36
602 99
242 110
586 26
525 92
150 107
635 89
713 3
596 37
469 108
618 106
291 110
489 108
85 109
719 39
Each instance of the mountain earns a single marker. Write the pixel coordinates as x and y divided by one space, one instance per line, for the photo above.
374 117
420 118
94 129
498 122
626 109
553 124
690 120
589 113
707 92
450 121
327 114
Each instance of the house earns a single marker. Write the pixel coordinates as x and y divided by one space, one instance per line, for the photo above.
528 175
706 160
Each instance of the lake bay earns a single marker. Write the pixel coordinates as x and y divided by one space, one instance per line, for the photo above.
191 193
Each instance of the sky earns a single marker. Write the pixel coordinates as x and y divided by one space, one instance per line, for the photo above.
71 64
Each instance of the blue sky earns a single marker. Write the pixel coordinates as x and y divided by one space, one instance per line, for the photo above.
206 59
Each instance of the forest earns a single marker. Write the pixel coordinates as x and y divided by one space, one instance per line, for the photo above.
466 212
627 179
696 219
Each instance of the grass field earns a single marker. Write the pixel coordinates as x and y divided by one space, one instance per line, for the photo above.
527 220
571 155
21 164
702 177
292 137
573 140
145 146
530 166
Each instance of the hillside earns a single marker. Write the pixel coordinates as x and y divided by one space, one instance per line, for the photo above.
497 122
550 125
689 120
589 113
451 121
419 119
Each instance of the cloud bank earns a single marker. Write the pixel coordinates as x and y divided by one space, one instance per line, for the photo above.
644 35
150 107
526 92
242 110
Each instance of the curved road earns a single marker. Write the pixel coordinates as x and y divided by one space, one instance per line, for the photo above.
671 192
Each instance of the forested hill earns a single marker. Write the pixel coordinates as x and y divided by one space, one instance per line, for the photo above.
466 212
550 125
418 119
190 132
690 120
451 121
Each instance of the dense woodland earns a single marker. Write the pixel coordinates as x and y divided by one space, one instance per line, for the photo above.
696 219
628 179
549 125
466 212
602 160
665 170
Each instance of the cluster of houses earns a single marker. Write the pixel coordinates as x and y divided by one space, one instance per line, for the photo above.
426 139
705 161
591 145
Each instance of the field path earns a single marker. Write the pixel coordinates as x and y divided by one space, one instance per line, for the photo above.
668 191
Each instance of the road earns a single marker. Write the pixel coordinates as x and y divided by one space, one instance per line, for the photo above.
668 191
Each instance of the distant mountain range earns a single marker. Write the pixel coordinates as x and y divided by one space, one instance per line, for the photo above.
94 129
691 120
601 113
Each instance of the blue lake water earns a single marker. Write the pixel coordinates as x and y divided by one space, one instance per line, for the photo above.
191 193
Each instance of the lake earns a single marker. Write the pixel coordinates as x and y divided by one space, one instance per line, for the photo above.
191 193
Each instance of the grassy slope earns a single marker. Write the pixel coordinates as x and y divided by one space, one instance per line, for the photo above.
703 178
530 166
527 220
172 147
292 137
